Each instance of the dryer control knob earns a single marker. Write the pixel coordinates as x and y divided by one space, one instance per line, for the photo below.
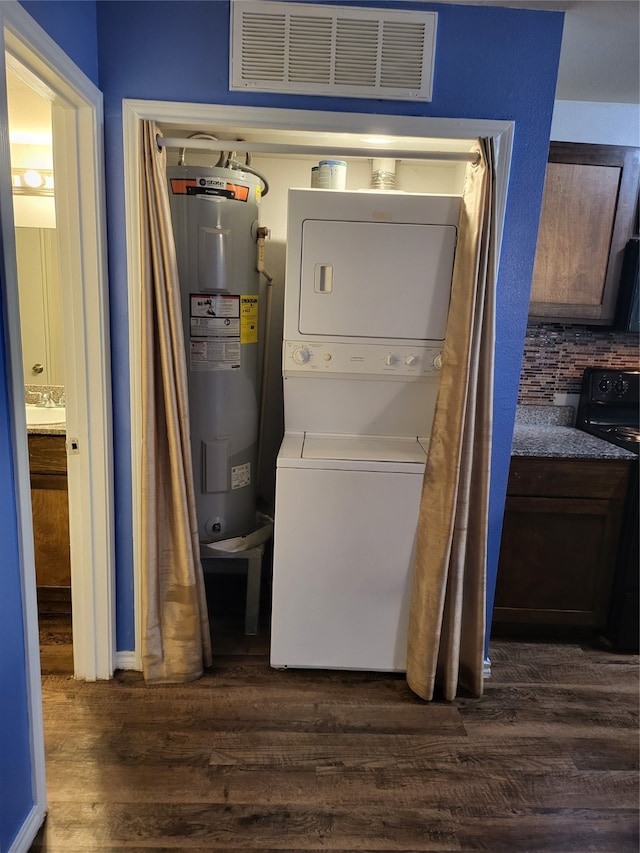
410 360
390 359
437 362
301 355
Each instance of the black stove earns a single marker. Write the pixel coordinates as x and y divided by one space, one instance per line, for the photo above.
609 406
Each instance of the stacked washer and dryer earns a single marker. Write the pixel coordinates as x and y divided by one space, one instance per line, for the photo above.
368 283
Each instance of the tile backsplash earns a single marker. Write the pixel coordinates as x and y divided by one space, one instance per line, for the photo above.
555 357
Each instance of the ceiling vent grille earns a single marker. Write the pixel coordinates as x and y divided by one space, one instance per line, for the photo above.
332 50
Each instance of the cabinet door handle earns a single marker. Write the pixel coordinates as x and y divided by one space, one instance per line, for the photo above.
37 368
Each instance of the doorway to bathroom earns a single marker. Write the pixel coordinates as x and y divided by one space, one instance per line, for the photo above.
76 370
42 341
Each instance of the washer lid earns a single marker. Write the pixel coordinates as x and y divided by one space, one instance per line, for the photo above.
370 448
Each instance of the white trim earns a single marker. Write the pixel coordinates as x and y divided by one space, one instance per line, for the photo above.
181 115
78 120
51 59
28 830
21 477
503 150
455 133
128 660
132 146
88 390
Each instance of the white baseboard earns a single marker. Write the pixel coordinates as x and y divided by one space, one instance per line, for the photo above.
486 668
28 831
127 660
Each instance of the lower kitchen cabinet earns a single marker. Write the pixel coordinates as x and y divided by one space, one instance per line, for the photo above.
50 508
559 541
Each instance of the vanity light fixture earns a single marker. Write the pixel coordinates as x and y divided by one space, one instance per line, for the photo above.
33 182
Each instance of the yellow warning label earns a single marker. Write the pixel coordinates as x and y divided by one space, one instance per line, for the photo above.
248 319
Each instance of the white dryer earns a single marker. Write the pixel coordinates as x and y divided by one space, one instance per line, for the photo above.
366 300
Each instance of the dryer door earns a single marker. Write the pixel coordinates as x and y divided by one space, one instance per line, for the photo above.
376 279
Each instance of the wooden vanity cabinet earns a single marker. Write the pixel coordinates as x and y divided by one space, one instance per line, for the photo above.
559 541
589 212
50 508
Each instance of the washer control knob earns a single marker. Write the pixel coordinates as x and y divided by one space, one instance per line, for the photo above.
604 384
390 359
410 360
620 386
301 355
327 356
437 362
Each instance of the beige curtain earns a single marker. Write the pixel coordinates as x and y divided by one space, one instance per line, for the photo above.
176 643
447 622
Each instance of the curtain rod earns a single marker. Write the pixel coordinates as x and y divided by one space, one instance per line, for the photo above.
324 151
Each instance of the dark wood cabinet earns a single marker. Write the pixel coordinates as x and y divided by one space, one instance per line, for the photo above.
559 541
50 508
589 212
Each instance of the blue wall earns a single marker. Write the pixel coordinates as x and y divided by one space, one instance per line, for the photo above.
72 25
16 794
491 63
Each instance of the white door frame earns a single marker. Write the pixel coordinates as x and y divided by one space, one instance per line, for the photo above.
209 116
79 173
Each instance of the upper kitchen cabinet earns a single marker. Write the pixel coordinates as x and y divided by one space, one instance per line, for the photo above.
588 214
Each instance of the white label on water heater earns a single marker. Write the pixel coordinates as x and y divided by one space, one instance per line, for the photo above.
241 475
215 327
208 355
213 316
214 305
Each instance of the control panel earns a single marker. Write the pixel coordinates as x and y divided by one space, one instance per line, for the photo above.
336 359
612 385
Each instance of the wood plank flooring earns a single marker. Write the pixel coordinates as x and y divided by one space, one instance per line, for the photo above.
252 759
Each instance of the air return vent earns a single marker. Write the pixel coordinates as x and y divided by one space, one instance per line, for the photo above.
332 50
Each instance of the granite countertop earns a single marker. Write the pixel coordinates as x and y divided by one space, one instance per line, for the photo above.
546 431
33 394
47 429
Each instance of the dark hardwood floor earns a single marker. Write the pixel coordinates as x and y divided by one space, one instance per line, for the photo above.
252 759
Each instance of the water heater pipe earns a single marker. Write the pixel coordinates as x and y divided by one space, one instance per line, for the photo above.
266 346
232 164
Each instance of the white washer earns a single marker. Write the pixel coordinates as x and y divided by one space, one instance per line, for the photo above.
366 301
346 519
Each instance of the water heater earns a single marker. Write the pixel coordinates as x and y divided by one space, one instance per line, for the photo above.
215 221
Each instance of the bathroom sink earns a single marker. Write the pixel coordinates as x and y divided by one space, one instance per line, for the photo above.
41 415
